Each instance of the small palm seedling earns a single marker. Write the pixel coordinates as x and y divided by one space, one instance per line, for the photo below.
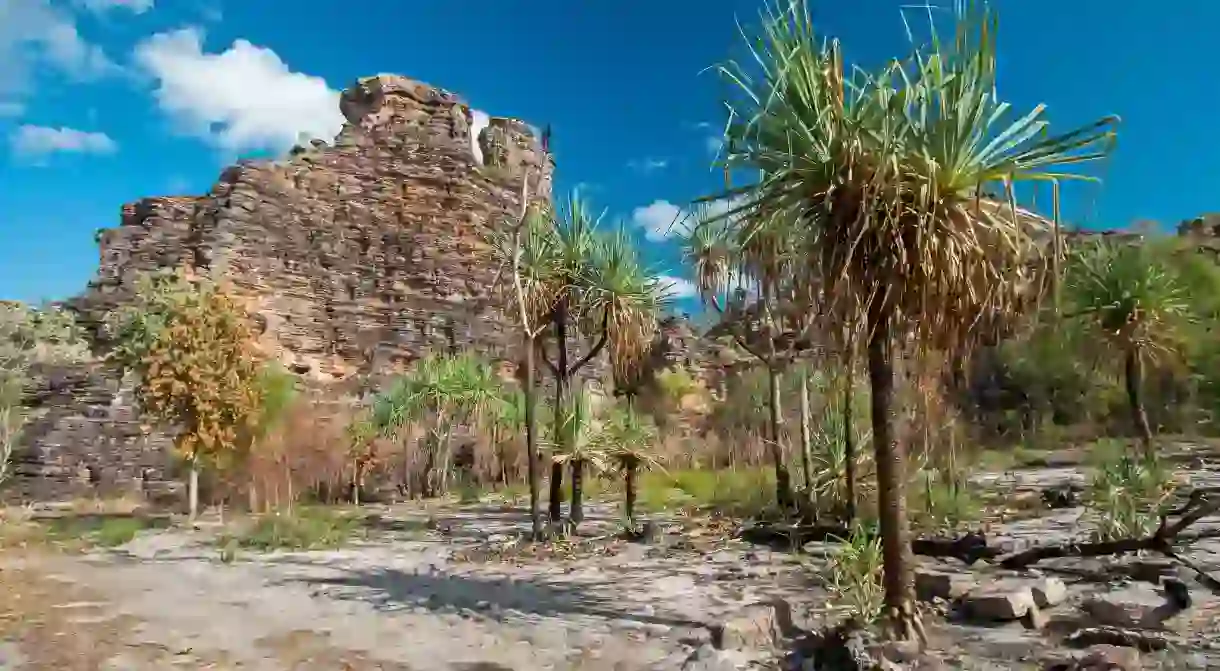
629 440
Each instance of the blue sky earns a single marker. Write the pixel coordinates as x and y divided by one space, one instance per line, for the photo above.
103 102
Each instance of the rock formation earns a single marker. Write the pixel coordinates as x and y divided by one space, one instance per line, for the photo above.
355 259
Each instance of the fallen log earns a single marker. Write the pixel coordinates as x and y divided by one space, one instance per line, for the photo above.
968 548
1194 509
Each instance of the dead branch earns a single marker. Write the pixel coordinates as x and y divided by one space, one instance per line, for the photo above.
1196 508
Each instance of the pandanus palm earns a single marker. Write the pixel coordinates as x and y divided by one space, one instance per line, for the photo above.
1137 305
876 181
726 261
443 392
630 439
589 282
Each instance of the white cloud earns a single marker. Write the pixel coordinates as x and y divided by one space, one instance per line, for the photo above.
659 219
39 141
677 287
662 219
648 165
479 121
240 99
35 34
101 6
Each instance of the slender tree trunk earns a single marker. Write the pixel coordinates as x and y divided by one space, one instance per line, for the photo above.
783 481
576 510
891 476
192 490
561 399
629 472
252 500
1135 397
531 439
357 477
849 437
806 434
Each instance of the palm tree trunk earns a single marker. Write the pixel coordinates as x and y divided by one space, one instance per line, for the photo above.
891 476
806 434
1135 381
531 440
629 472
849 437
576 510
783 481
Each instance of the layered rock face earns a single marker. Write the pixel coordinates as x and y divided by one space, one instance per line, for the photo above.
355 259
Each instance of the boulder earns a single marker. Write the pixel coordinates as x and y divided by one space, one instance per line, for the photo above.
930 585
1004 600
1136 606
1049 591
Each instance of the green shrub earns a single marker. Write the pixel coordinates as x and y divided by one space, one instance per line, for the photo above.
1128 493
853 578
738 493
306 529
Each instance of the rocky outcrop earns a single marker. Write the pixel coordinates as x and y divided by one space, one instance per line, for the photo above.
355 259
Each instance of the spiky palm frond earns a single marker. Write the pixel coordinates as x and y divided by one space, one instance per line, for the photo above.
879 176
1131 297
577 433
711 245
630 439
620 296
458 387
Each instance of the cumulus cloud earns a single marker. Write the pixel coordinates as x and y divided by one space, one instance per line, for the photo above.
39 141
660 219
101 6
35 34
677 287
243 98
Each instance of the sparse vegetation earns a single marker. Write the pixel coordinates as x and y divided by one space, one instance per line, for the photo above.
307 528
1128 493
875 283
854 579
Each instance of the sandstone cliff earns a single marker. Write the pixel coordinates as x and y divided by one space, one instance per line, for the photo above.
355 259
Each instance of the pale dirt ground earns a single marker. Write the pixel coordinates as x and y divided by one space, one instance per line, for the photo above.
402 601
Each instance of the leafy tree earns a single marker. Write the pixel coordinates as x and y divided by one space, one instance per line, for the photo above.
277 393
200 375
361 435
729 256
876 181
1137 304
133 327
443 392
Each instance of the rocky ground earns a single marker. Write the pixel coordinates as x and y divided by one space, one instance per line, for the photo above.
449 589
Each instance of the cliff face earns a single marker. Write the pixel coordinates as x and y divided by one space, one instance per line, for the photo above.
355 259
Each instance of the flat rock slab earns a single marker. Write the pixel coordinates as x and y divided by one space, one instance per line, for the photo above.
1000 601
1136 606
